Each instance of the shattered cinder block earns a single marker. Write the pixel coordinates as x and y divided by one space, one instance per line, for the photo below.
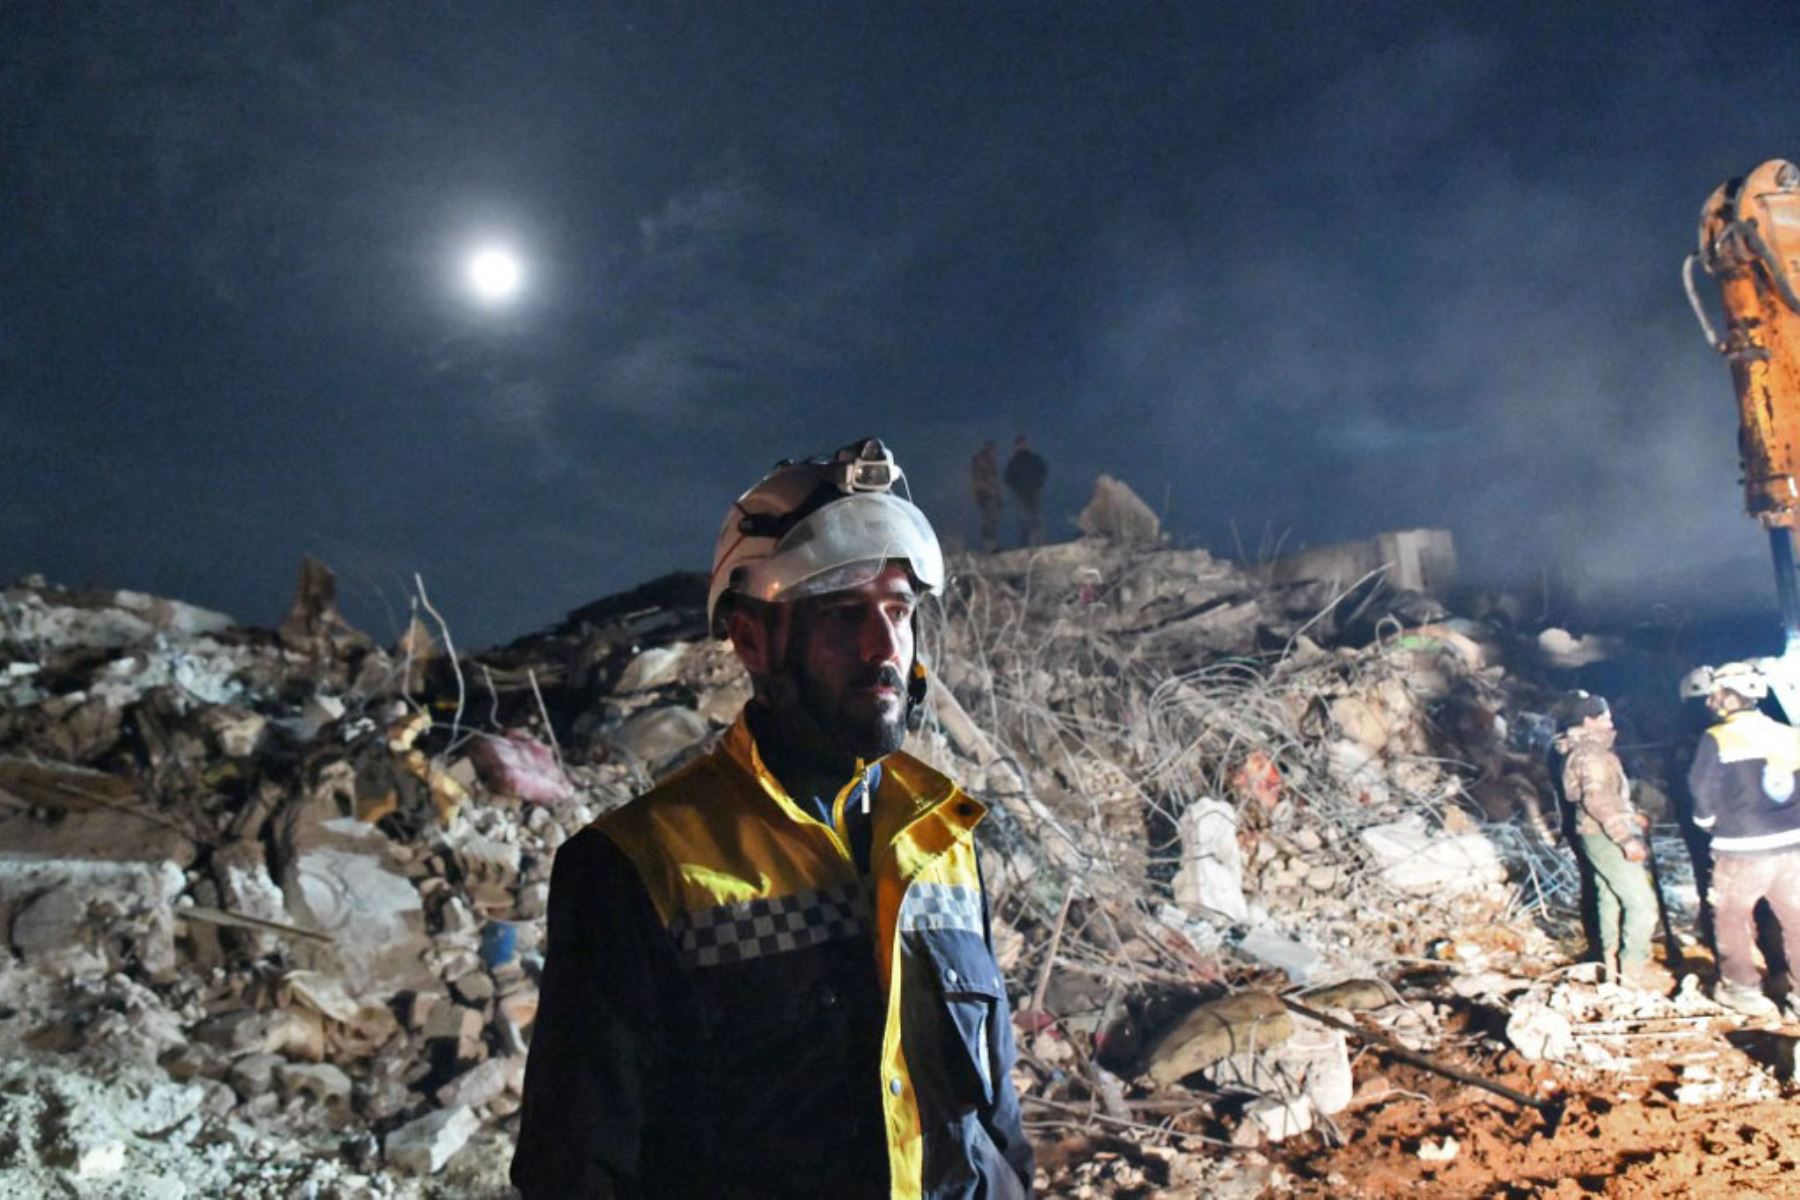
323 1084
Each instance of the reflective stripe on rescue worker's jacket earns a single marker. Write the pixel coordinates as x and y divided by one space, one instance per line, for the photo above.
1743 783
784 1026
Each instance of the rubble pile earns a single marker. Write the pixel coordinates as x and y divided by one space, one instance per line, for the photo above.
266 873
275 899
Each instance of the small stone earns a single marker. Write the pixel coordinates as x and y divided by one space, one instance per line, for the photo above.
520 1007
453 1021
416 1008
425 1145
254 1074
532 901
476 988
455 918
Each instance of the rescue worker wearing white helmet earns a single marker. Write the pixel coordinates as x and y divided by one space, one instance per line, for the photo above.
1743 785
773 974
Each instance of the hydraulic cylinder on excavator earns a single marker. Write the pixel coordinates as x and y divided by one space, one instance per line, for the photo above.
1750 243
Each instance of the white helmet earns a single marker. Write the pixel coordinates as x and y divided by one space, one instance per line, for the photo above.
1747 679
823 525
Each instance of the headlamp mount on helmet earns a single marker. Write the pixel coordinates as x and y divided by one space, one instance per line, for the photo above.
823 524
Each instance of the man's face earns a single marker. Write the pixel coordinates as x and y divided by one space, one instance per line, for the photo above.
852 653
1594 724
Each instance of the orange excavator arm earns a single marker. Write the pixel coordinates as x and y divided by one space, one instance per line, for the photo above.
1750 243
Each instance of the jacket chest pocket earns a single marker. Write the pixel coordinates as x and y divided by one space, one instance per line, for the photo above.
972 1000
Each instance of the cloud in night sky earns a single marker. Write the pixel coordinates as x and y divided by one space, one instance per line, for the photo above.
1411 264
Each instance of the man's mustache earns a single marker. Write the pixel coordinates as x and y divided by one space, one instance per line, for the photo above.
886 675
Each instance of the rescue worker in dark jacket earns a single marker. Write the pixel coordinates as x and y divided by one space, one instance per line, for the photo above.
1026 473
1743 783
773 974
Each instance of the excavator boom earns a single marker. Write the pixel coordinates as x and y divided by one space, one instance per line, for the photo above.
1750 243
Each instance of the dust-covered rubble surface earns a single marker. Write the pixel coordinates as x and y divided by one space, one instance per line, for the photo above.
273 900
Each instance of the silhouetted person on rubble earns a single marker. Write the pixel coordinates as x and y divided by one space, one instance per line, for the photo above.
1026 472
773 974
990 500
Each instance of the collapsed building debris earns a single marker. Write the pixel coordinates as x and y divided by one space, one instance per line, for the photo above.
287 889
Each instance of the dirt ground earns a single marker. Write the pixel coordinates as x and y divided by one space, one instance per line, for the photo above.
1690 1102
1634 1140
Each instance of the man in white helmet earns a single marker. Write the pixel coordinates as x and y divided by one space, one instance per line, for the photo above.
1743 783
773 975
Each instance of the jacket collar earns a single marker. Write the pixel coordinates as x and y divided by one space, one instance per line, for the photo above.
924 788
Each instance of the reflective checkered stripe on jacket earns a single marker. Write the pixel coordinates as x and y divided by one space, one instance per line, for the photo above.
941 906
751 929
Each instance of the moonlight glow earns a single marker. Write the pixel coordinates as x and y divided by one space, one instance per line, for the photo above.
494 274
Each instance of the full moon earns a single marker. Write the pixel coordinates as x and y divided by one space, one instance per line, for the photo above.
494 274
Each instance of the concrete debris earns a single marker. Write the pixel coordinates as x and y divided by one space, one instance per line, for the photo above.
1210 882
1278 1120
1418 560
1414 859
336 880
298 882
660 738
1540 1032
1117 514
1438 1151
425 1145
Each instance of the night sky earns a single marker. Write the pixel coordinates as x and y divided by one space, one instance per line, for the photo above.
1296 273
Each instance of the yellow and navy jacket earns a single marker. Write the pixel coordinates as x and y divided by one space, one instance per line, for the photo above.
730 1008
1743 783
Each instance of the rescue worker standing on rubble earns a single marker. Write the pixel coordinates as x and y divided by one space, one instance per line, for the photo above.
1743 783
1610 832
990 500
773 974
1026 474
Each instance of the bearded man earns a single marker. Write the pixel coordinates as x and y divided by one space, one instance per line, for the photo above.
773 974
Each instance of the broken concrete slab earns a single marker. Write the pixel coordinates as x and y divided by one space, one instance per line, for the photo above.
1210 882
336 879
1414 859
99 818
1278 1119
72 916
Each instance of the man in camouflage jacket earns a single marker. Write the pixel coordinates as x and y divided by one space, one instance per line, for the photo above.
1610 832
